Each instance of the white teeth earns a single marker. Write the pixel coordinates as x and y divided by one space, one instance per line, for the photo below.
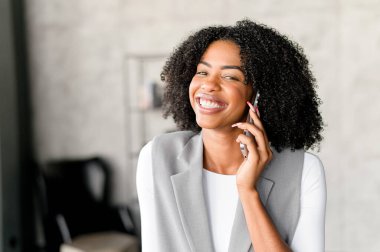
209 104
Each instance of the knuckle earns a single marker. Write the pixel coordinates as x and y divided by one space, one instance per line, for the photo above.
255 159
259 131
250 140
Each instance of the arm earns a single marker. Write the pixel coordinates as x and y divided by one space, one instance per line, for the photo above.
263 233
145 193
310 232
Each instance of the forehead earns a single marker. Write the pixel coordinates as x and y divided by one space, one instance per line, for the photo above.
222 52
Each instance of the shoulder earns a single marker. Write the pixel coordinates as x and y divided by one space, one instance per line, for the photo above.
313 166
173 140
176 135
313 175
146 151
144 177
285 162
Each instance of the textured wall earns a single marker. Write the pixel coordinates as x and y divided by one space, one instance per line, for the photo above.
78 51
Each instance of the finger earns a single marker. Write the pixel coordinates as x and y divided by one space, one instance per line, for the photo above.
255 117
253 153
261 142
260 138
263 155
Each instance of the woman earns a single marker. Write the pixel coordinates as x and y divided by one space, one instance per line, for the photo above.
197 190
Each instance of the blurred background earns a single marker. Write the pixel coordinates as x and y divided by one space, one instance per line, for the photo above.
80 84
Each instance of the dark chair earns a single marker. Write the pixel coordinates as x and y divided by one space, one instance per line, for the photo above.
77 202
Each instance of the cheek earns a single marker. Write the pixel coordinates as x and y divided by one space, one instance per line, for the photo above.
243 96
192 90
248 94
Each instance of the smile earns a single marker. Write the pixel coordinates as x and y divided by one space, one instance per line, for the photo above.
209 104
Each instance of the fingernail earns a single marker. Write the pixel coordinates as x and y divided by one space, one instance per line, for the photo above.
251 106
257 111
235 124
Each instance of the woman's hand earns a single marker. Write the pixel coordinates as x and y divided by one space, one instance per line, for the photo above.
259 152
263 233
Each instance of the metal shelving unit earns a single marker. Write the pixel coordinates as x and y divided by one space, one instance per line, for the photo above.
143 120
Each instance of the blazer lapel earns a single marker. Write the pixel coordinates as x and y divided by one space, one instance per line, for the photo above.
240 240
191 204
188 190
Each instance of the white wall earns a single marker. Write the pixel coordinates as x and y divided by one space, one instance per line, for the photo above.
78 51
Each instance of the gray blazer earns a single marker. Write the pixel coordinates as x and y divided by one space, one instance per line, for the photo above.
180 208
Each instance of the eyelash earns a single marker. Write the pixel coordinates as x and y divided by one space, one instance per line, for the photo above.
231 78
228 77
201 73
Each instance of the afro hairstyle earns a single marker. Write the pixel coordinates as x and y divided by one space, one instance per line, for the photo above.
272 63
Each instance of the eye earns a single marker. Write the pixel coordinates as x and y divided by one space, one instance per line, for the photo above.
201 73
231 77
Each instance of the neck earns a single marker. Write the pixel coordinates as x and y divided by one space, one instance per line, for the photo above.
221 152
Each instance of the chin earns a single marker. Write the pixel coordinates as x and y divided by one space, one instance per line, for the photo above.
210 124
206 125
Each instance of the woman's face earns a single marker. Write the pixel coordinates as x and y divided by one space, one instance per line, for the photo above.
217 91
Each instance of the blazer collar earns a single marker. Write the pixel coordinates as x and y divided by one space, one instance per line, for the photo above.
191 204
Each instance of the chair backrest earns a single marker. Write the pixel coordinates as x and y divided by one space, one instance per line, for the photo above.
75 200
79 191
71 184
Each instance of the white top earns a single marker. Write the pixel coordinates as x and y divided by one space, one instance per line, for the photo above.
221 198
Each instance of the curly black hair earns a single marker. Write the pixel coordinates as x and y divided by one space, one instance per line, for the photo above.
273 64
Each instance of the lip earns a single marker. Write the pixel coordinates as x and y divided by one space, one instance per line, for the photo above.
212 99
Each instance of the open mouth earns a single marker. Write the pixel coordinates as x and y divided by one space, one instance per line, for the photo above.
209 102
205 103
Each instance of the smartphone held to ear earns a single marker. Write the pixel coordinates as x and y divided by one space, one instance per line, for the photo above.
243 147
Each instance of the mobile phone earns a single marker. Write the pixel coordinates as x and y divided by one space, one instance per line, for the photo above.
243 147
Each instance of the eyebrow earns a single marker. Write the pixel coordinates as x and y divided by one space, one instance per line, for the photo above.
223 67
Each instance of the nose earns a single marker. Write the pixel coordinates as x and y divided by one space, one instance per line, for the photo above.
211 83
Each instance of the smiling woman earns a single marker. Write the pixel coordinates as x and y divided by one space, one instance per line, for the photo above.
217 89
197 191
